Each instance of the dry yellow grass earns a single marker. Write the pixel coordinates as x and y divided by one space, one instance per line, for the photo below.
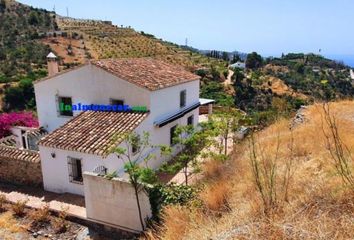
213 169
9 223
215 196
176 222
318 206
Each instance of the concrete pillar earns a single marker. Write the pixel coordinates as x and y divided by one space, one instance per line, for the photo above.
210 108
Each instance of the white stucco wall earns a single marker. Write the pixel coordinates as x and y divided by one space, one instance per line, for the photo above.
56 170
165 102
86 85
114 202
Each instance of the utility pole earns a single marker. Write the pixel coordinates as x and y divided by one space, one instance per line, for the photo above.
186 42
70 33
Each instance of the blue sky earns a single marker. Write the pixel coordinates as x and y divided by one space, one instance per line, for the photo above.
265 26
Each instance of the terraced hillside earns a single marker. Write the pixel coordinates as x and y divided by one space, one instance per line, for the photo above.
104 40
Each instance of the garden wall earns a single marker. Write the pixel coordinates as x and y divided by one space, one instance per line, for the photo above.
113 203
20 166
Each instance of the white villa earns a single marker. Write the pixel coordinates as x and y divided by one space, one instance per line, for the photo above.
238 64
79 141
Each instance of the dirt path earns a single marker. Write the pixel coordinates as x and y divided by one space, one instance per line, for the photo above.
228 80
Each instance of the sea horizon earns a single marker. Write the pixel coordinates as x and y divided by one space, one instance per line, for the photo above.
346 59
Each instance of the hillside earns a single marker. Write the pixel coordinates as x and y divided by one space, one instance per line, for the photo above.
20 51
305 197
283 84
104 40
28 34
312 75
274 84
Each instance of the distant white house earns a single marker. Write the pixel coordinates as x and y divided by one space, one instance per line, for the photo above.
79 141
241 65
316 69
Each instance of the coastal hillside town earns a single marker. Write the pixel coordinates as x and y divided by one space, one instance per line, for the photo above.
109 132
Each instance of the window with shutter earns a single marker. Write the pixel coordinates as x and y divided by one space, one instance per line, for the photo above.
182 98
65 106
75 170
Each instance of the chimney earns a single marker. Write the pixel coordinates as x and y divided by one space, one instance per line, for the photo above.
53 67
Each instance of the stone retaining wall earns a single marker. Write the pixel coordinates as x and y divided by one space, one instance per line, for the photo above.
20 166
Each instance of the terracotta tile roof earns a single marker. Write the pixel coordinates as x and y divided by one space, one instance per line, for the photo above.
19 154
9 141
147 72
93 131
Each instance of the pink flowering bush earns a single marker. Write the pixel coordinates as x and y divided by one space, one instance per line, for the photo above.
7 120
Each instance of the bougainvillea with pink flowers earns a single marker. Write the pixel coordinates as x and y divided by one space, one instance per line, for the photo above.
8 120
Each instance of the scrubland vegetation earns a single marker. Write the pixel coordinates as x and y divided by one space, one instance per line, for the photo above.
278 184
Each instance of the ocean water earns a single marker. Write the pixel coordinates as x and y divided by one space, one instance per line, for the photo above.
347 59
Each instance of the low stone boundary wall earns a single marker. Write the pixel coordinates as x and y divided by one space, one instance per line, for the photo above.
20 166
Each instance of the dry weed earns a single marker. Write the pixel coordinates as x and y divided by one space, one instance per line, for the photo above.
176 221
2 202
213 169
19 207
41 215
60 224
215 196
8 222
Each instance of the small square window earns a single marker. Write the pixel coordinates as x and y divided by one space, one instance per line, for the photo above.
173 135
65 106
182 98
75 170
190 120
117 102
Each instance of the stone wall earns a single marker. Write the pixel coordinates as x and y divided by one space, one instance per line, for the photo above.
20 166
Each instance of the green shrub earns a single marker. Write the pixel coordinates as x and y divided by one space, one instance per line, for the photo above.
162 195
